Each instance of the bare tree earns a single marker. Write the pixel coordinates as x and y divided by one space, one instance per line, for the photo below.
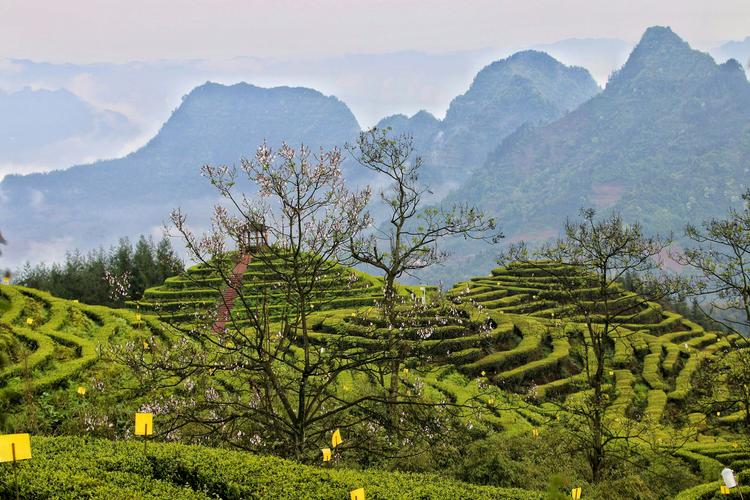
597 254
721 259
408 241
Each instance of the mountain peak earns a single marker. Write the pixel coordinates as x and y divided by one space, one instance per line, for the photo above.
661 55
535 56
661 35
661 41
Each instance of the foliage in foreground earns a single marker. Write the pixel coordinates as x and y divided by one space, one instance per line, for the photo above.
78 468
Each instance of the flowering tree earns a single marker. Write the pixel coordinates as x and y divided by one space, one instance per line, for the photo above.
251 374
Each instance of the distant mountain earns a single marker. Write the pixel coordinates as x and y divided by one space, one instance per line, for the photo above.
372 85
666 143
526 88
739 50
45 127
92 204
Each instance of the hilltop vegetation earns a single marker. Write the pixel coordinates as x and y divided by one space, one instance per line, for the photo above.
106 277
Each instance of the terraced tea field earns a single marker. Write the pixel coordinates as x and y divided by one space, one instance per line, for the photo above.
655 353
192 296
508 344
48 342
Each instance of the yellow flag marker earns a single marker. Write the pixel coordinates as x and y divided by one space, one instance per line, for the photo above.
725 490
358 494
15 447
336 439
144 424
81 390
326 454
29 321
575 493
535 432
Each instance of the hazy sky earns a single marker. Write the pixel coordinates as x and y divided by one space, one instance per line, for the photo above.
121 30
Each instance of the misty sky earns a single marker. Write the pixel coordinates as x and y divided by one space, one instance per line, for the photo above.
122 30
380 57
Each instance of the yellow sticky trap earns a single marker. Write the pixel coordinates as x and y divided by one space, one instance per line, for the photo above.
358 494
145 344
336 438
15 447
575 493
535 432
6 280
491 401
29 321
326 454
718 413
484 373
724 489
81 390
137 317
406 372
144 424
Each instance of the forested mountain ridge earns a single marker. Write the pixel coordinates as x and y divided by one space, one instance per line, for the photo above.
89 205
667 142
529 87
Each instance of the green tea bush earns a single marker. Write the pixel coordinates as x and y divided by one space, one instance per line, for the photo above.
92 468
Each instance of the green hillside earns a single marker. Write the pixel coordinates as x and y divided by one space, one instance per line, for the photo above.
507 345
199 289
52 343
655 352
